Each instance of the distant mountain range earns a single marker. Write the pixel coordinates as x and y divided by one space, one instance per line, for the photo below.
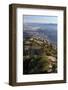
44 31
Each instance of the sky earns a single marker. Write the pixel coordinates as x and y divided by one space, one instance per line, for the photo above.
40 19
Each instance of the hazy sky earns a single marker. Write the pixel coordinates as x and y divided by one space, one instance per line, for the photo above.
40 19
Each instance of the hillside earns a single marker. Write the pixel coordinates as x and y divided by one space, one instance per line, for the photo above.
40 56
